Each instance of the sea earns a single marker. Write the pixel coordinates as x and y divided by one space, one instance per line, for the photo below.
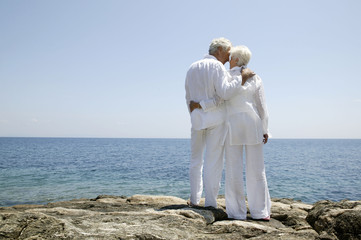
43 170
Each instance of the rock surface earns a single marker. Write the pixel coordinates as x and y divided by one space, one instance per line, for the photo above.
336 220
165 217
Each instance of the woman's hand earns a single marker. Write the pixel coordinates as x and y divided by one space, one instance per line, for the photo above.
265 138
194 105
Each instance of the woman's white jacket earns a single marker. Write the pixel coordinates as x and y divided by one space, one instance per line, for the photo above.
247 115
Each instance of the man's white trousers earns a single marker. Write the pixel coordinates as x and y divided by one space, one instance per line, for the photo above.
207 142
258 197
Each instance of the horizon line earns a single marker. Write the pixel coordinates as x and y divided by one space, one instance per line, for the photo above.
275 138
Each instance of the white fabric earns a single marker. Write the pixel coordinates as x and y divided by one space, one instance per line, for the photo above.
207 79
208 142
247 115
259 200
200 120
198 144
247 121
210 104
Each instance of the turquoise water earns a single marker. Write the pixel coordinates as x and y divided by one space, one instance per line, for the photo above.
41 170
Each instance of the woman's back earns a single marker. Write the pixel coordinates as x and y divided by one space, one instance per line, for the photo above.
244 122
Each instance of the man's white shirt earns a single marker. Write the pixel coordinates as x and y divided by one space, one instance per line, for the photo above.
208 79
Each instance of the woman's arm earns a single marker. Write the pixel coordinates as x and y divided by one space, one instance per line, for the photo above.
261 106
206 105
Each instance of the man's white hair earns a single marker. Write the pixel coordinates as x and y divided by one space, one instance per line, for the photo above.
219 42
242 53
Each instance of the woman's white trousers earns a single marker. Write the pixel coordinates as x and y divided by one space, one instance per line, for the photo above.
258 197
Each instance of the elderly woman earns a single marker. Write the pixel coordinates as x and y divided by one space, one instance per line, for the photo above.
247 129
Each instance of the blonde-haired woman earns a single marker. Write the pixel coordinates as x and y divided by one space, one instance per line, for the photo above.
247 130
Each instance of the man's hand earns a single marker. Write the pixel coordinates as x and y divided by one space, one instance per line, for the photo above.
265 138
194 105
246 74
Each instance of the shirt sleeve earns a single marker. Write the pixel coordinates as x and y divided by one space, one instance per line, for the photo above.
188 99
211 104
225 85
261 104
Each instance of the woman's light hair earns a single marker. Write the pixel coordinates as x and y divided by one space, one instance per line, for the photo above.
242 53
219 42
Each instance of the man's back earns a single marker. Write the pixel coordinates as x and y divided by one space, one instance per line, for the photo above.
201 84
201 77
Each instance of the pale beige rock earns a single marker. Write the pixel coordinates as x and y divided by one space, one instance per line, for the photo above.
252 226
152 217
154 199
280 207
302 206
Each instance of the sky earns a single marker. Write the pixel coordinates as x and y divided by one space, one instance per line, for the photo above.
116 68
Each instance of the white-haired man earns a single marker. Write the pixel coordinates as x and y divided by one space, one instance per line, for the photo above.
209 79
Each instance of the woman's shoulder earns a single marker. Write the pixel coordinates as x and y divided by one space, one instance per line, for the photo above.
254 79
257 80
235 71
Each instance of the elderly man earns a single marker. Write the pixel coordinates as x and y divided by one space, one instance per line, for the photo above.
209 79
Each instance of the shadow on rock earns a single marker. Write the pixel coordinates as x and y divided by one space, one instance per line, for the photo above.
210 214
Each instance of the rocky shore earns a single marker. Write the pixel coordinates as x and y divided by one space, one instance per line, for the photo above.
166 217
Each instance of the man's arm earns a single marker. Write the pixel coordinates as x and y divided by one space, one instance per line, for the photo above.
225 84
211 104
187 95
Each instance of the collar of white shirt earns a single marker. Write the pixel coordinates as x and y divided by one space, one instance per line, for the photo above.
210 57
237 69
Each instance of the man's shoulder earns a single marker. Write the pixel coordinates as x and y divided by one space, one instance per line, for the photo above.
206 63
211 60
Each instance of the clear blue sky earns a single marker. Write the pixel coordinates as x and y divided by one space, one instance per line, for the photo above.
117 68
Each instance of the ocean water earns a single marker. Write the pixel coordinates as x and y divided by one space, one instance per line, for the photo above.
42 170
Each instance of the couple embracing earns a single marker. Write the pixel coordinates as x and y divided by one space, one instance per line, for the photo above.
228 115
